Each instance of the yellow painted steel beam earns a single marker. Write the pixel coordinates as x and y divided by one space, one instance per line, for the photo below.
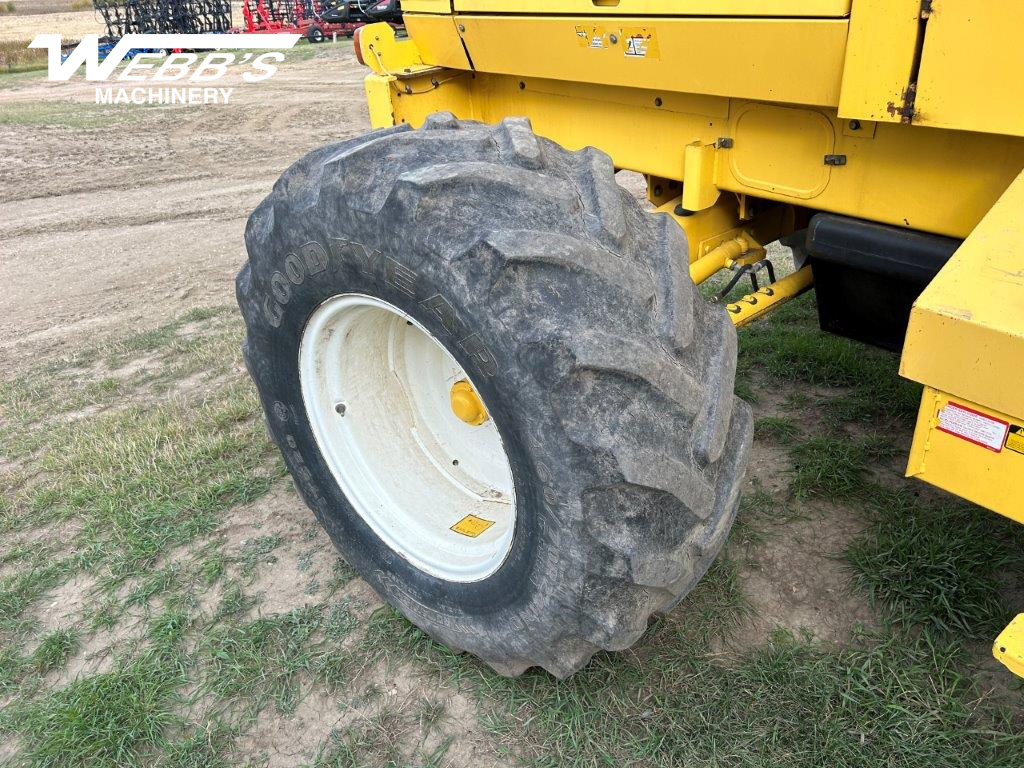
379 100
760 302
427 6
437 38
890 171
718 258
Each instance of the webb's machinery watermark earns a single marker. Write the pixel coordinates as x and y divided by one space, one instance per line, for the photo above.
155 60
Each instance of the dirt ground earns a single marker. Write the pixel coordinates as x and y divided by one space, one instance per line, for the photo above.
117 219
125 224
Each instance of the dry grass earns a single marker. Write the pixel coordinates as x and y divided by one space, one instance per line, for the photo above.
63 19
16 56
36 7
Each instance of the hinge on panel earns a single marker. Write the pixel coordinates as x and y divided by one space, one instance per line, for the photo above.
835 159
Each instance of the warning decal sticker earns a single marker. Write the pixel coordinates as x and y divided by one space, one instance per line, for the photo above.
972 426
636 46
640 43
591 37
472 526
1015 438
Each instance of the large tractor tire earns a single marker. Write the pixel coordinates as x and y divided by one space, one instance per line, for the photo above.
495 385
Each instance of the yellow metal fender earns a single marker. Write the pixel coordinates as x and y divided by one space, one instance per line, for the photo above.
965 343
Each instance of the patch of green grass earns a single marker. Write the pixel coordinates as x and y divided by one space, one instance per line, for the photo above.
233 602
789 347
431 713
12 666
255 552
760 517
213 565
717 605
341 574
744 388
167 629
64 114
266 659
55 650
145 480
139 479
791 704
776 429
152 584
20 590
834 467
938 565
95 377
385 739
105 614
106 720
204 746
389 638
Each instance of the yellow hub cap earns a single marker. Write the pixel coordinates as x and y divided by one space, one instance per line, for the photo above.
466 403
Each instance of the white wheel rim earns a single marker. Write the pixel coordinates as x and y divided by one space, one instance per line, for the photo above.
408 465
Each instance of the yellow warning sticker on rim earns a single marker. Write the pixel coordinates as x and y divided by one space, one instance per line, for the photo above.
472 526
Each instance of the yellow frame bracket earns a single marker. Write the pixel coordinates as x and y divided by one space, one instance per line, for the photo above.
1009 646
754 305
385 54
699 190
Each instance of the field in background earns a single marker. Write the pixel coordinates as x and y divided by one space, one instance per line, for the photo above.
38 7
21 21
166 599
70 25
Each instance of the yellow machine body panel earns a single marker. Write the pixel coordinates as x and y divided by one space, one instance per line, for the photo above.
880 55
776 8
675 55
969 49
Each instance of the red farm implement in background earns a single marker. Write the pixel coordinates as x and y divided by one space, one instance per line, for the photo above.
317 20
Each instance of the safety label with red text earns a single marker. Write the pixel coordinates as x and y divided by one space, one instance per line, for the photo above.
972 426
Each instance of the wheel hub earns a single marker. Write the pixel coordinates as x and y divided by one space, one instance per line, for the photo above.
407 437
466 404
